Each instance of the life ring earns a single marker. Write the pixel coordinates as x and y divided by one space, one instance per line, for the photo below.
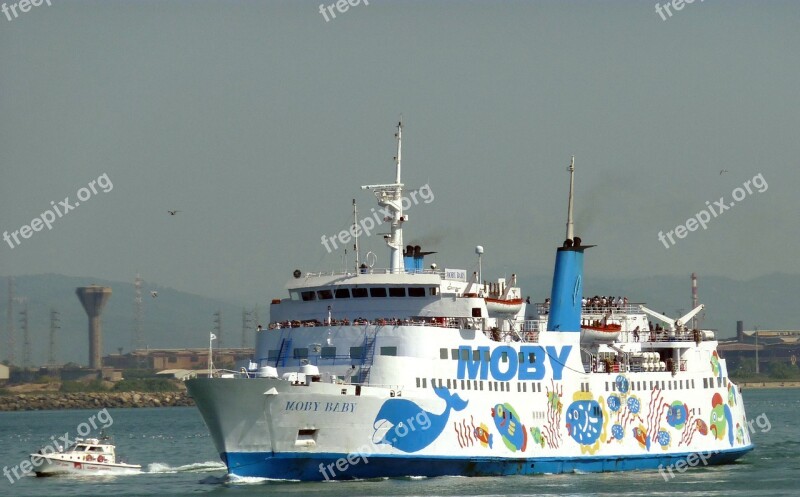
89 458
101 459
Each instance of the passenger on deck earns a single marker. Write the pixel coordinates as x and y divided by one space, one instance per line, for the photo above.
636 334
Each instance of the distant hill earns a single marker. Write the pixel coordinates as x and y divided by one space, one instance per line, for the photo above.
177 319
172 319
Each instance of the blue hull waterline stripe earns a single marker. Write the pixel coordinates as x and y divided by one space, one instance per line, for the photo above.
316 466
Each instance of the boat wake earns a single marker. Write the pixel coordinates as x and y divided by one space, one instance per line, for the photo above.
198 467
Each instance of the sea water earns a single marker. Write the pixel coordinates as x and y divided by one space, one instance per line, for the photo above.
178 458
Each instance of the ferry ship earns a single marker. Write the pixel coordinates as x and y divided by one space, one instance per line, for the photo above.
420 371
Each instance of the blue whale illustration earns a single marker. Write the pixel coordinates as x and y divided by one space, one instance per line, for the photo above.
414 428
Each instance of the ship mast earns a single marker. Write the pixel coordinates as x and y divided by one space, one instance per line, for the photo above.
390 198
570 227
355 230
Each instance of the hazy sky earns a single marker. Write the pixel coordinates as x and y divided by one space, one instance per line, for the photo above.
260 120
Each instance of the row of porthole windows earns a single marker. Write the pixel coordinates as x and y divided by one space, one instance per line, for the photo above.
363 292
478 385
330 352
662 384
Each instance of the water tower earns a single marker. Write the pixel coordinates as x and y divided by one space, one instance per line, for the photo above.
94 298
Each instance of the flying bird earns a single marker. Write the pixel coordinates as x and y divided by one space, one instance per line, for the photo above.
172 213
154 294
723 171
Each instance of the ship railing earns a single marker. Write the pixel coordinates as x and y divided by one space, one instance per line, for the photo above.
372 270
599 310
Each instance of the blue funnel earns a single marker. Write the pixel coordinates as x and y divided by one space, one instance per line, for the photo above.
567 292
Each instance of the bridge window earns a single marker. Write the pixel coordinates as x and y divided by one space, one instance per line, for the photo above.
454 354
377 292
476 312
416 291
464 355
308 296
301 353
325 294
442 353
504 357
356 352
397 291
359 293
342 293
328 352
388 350
273 355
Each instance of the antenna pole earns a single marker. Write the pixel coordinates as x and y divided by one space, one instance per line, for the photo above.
570 227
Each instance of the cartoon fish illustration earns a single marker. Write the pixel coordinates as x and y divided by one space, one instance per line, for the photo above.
715 367
677 413
701 426
537 436
513 432
731 394
396 416
584 421
720 418
483 435
640 434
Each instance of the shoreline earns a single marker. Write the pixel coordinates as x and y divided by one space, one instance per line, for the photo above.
92 400
767 384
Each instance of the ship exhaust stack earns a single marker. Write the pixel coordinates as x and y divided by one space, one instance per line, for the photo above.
565 298
94 298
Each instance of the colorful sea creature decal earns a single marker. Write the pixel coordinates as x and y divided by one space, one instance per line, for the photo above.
657 406
406 426
467 434
731 394
538 437
739 434
617 432
677 414
512 431
640 435
586 421
693 425
627 410
552 429
613 402
720 418
715 367
663 438
622 384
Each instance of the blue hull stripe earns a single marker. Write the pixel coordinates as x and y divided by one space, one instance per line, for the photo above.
306 466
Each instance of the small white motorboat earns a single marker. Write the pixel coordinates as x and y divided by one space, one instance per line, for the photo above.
84 456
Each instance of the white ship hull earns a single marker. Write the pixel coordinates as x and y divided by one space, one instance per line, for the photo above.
564 421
